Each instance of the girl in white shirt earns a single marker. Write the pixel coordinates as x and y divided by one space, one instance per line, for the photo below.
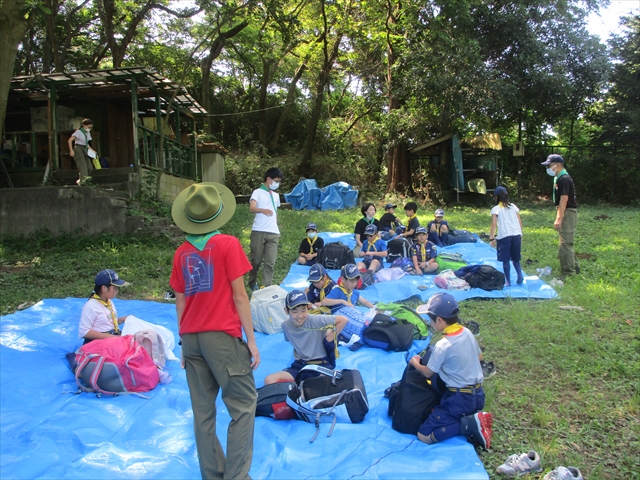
506 217
99 318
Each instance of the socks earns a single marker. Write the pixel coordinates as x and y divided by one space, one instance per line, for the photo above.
506 266
518 268
445 237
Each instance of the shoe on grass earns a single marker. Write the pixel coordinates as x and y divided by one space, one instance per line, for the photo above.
488 369
564 473
518 465
477 428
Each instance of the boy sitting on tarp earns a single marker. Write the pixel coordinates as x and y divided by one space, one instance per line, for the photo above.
344 294
312 338
423 254
456 360
438 229
320 284
373 251
310 246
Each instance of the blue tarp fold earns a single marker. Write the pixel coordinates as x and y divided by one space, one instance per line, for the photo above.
307 196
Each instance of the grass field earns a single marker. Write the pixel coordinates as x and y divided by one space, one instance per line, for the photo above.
568 382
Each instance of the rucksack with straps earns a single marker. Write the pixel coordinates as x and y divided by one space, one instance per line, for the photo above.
407 314
450 261
366 280
334 396
485 277
398 247
115 366
389 334
335 255
272 401
152 342
267 309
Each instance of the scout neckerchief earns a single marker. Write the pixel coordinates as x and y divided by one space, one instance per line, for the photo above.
423 251
322 293
109 307
273 202
346 292
451 330
200 241
555 181
311 242
326 327
86 139
371 245
368 221
411 218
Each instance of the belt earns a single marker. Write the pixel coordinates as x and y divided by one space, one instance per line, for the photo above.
467 389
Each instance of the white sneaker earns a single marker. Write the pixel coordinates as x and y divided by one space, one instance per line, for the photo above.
564 473
518 465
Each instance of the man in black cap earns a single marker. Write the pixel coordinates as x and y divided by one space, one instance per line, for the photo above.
564 197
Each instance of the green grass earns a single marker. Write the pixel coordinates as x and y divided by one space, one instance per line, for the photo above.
568 382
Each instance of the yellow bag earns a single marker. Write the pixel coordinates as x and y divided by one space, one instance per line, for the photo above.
94 159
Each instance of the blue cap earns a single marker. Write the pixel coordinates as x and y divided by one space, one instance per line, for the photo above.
295 298
390 205
439 212
108 277
443 305
499 189
316 272
350 271
371 230
421 230
553 159
312 226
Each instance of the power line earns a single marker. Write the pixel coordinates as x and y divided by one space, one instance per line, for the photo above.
242 113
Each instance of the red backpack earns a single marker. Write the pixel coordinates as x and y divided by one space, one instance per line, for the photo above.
115 365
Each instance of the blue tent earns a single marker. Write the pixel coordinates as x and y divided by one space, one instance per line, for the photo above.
307 196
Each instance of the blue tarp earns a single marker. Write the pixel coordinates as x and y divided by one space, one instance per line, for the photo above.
48 432
307 196
474 253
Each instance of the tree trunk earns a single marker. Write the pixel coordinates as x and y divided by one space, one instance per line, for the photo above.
13 27
267 71
288 105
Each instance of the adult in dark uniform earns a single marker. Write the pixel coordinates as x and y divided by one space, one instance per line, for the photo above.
564 197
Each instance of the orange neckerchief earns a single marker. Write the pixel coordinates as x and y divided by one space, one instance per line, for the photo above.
109 306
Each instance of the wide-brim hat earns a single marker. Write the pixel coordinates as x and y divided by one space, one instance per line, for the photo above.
203 208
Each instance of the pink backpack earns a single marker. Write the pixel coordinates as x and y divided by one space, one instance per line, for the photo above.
115 365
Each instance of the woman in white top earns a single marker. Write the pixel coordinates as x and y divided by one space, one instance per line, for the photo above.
99 318
506 217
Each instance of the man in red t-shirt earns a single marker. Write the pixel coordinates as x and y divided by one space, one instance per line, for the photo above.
213 310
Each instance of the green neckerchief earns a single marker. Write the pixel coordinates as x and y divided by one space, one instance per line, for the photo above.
86 139
368 221
273 202
200 241
555 181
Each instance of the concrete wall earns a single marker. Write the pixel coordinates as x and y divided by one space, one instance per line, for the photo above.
67 209
170 186
212 167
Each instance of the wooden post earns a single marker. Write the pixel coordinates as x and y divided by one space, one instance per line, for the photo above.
53 127
134 117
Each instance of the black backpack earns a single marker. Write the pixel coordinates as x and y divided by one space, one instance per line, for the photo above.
335 255
486 277
398 247
461 236
366 280
389 334
272 401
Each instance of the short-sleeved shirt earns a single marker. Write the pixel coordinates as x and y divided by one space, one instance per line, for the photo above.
424 252
456 360
307 339
269 200
378 246
315 294
307 245
205 277
81 137
508 223
388 222
565 186
96 316
337 293
362 224
412 225
437 225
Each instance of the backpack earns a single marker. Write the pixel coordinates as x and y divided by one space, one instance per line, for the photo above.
267 309
335 255
407 314
450 261
411 401
272 401
334 396
115 365
387 333
152 342
461 236
485 277
398 247
448 281
366 280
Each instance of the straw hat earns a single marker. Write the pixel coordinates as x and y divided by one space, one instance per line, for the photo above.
203 208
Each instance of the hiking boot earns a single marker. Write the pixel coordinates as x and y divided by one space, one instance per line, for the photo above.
564 473
488 369
517 465
477 428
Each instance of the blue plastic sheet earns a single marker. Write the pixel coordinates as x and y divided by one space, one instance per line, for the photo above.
307 196
474 253
47 431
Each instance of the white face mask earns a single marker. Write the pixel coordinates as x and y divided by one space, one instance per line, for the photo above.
550 172
311 235
274 185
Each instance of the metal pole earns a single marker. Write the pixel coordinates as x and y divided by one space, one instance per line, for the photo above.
134 117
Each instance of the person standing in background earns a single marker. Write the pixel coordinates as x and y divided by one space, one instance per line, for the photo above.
80 151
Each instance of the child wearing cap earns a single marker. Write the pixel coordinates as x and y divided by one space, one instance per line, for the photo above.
99 318
506 217
320 284
373 250
313 337
410 210
345 294
389 222
310 245
456 362
438 229
423 253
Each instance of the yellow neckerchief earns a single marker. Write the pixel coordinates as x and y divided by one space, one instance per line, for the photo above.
311 242
371 245
423 250
346 292
109 306
322 293
411 218
326 327
438 225
451 330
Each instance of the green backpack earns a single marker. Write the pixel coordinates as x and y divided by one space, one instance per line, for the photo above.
450 261
402 312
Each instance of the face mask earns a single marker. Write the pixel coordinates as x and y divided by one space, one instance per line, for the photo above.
311 235
550 172
274 185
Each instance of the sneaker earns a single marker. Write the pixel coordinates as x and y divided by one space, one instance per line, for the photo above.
488 369
564 473
517 465
473 327
477 428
